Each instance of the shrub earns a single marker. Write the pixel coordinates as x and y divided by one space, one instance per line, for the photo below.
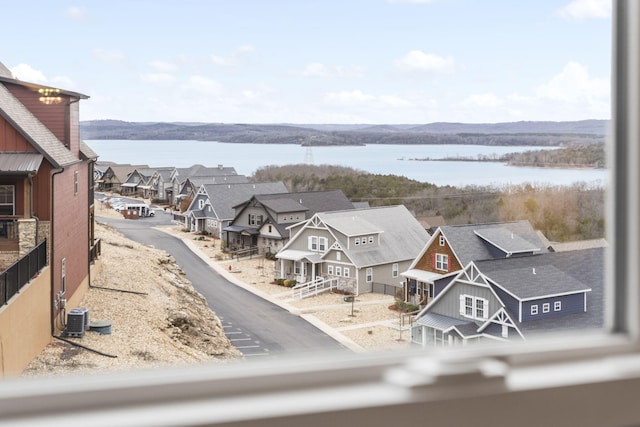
290 283
270 256
405 307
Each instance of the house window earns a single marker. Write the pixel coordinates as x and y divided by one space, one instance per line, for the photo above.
330 269
474 307
534 309
269 229
557 306
357 242
200 203
252 219
369 275
322 243
338 256
313 243
338 271
394 270
345 272
546 307
63 276
370 239
75 183
441 240
7 200
442 262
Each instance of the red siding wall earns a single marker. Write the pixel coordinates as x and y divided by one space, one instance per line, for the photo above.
52 116
11 140
71 227
427 262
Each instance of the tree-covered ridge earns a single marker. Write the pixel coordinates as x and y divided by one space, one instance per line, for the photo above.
591 155
561 213
519 133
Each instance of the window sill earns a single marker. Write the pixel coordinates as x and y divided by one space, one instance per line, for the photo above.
372 389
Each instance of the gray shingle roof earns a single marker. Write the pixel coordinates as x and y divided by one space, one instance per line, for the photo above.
402 236
583 266
312 201
223 197
87 152
506 240
468 246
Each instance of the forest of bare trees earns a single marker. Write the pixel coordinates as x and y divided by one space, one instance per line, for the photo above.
562 213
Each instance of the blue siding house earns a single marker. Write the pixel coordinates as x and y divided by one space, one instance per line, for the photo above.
516 298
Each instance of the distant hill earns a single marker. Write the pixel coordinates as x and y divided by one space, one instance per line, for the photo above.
516 133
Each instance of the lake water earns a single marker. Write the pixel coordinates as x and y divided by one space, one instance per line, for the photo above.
378 159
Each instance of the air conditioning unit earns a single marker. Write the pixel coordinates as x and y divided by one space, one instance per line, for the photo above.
77 322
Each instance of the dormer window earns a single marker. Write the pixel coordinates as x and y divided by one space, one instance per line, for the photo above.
441 240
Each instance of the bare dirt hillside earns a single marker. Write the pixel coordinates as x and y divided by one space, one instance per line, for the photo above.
157 317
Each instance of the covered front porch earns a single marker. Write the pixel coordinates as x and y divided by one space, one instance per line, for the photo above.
419 286
241 237
301 266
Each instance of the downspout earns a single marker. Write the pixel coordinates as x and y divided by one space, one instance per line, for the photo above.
51 245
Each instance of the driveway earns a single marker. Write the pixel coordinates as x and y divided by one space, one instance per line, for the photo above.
255 326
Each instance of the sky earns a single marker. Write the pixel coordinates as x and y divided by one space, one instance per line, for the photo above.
310 61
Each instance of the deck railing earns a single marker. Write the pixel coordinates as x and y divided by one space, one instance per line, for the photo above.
13 279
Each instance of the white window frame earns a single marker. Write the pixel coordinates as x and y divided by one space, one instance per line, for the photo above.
474 307
394 270
534 309
441 240
330 269
322 243
540 378
313 243
369 275
557 306
546 307
338 270
370 240
201 204
442 262
345 271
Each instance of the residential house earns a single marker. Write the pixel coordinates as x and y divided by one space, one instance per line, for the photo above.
516 298
453 247
116 175
159 182
46 214
138 183
179 176
364 249
211 210
262 221
191 185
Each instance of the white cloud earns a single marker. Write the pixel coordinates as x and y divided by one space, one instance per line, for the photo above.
76 13
235 58
203 85
483 100
317 69
162 79
416 60
162 66
572 94
586 9
27 73
113 57
357 98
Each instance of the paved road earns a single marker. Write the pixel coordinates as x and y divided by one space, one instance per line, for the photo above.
255 326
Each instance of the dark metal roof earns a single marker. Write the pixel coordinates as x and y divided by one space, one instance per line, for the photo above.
506 240
12 163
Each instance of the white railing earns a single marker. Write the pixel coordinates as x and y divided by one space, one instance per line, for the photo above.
314 287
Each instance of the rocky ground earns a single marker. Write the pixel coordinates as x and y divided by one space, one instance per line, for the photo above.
159 319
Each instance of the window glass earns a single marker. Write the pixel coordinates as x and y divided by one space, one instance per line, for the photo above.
7 200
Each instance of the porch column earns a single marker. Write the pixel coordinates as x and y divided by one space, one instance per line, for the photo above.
281 268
